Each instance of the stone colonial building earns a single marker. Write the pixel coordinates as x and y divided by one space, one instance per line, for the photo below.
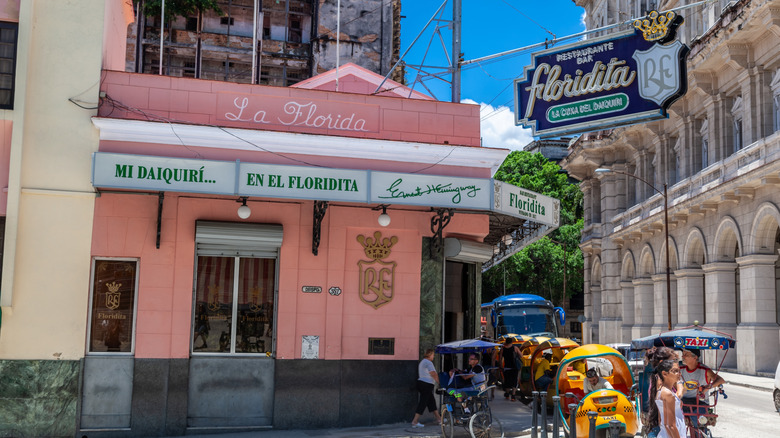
717 156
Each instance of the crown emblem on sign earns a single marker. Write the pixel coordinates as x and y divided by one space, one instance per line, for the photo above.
113 287
377 248
655 26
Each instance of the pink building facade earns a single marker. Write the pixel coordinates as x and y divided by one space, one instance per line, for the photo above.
223 320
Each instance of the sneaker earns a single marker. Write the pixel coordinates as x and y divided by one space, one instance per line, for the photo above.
418 425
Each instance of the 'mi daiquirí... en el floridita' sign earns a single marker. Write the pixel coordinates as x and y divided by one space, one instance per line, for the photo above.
619 79
236 178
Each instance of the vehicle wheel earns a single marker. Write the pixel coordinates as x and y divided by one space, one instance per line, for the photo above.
777 400
481 426
447 424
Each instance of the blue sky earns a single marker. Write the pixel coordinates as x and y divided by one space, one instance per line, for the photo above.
488 27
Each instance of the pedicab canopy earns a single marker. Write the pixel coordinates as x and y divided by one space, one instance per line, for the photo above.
693 337
466 346
571 381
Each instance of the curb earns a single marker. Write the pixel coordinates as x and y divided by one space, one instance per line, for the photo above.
747 385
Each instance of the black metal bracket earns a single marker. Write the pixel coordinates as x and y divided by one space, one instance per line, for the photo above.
160 197
438 222
320 207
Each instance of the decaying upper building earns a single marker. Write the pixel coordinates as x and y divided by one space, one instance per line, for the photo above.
296 39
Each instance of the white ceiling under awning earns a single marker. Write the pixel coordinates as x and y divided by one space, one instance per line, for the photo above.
304 144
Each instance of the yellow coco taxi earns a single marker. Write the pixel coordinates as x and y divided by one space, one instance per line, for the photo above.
609 404
535 363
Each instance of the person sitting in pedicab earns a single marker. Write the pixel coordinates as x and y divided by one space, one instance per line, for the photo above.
468 382
594 382
543 373
698 379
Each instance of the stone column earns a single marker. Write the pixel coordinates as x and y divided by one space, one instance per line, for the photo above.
587 299
595 305
690 296
643 307
720 309
757 330
660 321
613 201
627 306
587 193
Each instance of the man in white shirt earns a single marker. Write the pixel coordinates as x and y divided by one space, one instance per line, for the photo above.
594 382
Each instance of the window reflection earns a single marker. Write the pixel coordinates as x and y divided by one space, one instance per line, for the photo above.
218 302
113 303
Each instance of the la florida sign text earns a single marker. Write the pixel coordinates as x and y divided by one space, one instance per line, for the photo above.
236 178
611 81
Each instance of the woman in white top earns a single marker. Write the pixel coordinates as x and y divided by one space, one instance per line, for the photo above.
426 379
667 401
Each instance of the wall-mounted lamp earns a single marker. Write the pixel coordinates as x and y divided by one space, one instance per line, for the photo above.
384 218
244 211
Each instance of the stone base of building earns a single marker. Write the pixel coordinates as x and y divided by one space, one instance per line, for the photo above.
758 347
610 330
38 397
722 359
641 330
128 397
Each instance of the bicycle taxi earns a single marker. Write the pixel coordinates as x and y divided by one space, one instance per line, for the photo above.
532 356
609 404
467 406
700 415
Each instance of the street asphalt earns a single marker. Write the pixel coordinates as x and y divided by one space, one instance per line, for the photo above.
515 417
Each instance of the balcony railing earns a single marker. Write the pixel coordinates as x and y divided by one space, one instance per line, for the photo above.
702 184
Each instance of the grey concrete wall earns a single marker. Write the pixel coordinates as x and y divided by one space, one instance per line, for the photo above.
343 393
230 392
107 392
126 397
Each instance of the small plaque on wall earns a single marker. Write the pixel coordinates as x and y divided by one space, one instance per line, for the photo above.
384 346
310 347
311 289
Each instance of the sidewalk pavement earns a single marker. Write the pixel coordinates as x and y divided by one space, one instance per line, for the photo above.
760 383
515 417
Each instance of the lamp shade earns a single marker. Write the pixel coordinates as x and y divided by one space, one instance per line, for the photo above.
244 212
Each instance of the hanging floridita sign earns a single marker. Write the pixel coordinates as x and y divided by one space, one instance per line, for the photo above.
236 178
616 80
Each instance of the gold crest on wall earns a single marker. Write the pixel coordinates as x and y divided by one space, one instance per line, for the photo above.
377 277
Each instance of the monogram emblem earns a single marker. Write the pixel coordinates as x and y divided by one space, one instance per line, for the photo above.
377 277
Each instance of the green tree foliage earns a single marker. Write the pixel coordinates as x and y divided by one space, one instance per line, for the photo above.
539 267
178 8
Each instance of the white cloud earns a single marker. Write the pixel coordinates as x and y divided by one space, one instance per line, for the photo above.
498 128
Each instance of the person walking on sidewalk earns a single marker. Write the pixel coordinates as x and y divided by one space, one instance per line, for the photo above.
426 381
510 355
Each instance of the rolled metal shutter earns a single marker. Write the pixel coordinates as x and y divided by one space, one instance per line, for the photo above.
237 240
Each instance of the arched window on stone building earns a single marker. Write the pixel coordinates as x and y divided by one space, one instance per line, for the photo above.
777 275
775 86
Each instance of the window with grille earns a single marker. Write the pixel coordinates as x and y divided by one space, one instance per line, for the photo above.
8 35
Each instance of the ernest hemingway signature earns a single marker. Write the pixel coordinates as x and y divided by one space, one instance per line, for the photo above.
395 192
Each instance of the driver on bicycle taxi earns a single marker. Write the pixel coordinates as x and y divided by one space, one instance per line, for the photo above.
697 379
473 375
